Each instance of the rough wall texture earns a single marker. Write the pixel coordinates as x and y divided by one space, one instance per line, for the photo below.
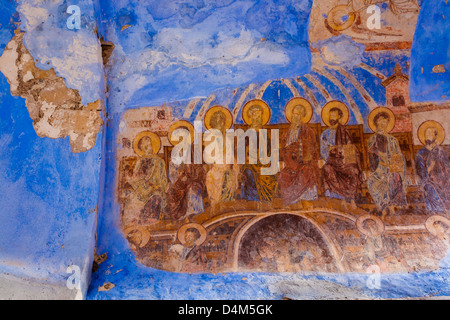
56 110
51 142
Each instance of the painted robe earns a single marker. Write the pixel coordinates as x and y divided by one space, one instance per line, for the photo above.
185 195
387 183
435 183
220 183
186 259
253 185
341 180
298 179
149 183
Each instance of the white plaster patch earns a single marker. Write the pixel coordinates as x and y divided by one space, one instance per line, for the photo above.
28 76
8 64
42 127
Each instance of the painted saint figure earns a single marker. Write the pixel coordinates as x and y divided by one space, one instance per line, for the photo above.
220 179
432 167
298 179
386 183
185 195
372 228
149 179
342 168
188 255
253 185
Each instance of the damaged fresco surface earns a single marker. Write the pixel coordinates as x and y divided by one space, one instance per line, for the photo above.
357 197
51 95
353 96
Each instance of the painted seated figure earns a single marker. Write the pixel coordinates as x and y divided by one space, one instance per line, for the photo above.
254 186
185 194
298 179
220 178
188 255
149 179
432 167
386 182
342 169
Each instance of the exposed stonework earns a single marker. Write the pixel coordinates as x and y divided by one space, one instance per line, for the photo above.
56 111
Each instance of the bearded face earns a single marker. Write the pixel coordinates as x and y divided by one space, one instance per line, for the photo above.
298 114
145 144
218 121
430 136
382 124
190 237
334 118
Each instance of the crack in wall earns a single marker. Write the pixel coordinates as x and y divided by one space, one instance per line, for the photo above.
56 110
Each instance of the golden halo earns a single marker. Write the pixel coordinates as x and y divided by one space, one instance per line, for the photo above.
360 225
335 21
142 235
181 124
376 111
182 231
256 102
295 102
335 104
156 142
429 224
211 111
431 124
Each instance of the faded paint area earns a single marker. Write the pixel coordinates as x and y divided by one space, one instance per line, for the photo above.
191 232
56 111
334 17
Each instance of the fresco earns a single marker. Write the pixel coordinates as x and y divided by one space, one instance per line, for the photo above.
344 106
343 200
346 172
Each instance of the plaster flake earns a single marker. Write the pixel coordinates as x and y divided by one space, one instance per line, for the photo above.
28 76
8 66
56 110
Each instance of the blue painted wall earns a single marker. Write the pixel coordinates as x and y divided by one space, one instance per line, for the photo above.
431 47
48 195
176 83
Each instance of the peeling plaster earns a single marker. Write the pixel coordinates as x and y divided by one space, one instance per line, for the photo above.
56 111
